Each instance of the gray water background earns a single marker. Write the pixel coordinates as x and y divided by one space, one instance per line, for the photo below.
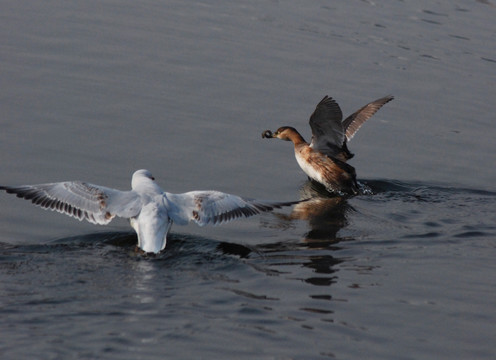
97 89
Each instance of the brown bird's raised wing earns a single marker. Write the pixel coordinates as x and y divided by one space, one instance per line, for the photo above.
353 122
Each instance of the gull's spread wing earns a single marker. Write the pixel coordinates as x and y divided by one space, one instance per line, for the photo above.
95 203
214 207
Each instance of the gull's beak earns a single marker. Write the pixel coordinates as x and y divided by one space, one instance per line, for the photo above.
267 134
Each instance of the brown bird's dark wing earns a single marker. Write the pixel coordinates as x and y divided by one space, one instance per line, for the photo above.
327 129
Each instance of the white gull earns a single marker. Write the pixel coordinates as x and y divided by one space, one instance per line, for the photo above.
150 210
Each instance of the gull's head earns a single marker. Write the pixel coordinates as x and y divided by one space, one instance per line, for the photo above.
140 177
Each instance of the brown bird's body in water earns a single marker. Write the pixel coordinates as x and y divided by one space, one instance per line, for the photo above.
324 159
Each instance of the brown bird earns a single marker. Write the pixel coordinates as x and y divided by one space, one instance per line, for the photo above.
324 159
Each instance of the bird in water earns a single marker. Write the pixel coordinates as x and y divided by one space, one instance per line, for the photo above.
150 210
324 160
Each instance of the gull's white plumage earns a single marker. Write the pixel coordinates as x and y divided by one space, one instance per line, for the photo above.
151 210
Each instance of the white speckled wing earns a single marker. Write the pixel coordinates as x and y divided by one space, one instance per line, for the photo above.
97 204
214 207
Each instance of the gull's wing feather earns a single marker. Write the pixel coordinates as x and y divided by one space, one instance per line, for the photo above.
214 207
353 122
327 129
94 203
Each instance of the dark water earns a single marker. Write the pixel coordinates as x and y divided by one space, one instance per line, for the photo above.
96 90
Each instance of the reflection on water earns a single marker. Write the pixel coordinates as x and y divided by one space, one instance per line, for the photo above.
202 288
144 274
324 212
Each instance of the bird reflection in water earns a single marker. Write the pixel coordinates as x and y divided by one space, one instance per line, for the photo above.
325 213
